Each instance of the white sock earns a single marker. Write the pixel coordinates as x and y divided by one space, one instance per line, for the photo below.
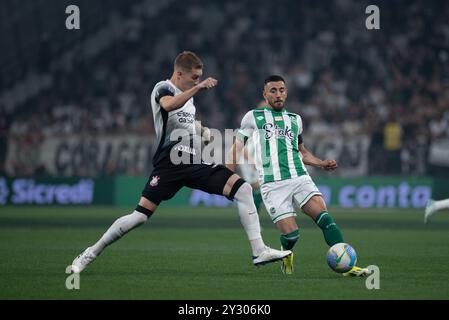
118 229
441 204
249 217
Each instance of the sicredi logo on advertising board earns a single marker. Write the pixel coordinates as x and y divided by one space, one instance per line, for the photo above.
29 191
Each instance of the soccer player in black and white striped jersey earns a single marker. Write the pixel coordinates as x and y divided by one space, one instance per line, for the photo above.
174 110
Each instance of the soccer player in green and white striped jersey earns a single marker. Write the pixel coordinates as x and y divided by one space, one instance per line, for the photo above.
280 158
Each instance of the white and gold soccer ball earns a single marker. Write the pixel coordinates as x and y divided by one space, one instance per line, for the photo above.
341 257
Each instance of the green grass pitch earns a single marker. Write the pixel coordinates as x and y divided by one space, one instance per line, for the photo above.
203 253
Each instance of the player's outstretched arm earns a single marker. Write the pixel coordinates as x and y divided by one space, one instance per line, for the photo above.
234 154
170 103
309 159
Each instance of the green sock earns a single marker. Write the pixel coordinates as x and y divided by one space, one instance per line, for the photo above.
288 240
257 196
331 232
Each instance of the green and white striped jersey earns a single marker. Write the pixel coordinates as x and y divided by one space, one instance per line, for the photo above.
275 135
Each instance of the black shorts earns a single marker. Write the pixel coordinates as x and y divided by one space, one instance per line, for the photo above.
165 181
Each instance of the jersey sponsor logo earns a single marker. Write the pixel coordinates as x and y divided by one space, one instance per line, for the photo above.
154 181
186 120
185 117
275 130
185 114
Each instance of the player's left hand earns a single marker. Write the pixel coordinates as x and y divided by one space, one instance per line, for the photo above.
329 165
205 135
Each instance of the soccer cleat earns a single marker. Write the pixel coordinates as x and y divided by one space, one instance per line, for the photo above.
81 262
430 210
287 264
357 272
270 255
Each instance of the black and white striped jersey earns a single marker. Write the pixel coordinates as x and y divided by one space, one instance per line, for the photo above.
166 124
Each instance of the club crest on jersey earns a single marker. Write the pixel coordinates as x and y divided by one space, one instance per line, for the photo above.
154 181
271 129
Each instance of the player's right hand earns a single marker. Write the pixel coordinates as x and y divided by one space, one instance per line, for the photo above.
329 165
208 83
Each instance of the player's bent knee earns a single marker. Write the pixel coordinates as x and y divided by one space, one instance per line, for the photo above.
147 204
147 212
318 201
246 188
314 206
138 218
242 187
287 225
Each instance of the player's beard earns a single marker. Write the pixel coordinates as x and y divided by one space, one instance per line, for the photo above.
277 105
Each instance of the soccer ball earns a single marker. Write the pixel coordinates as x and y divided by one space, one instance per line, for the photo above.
341 257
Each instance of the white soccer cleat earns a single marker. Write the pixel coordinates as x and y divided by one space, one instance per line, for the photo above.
270 255
430 210
81 262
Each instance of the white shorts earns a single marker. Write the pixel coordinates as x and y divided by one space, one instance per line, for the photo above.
281 197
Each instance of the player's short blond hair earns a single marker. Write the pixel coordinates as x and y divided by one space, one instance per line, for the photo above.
187 61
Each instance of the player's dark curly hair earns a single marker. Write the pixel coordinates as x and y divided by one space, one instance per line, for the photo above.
274 78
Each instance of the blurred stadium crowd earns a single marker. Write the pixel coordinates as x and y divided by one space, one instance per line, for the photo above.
391 84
